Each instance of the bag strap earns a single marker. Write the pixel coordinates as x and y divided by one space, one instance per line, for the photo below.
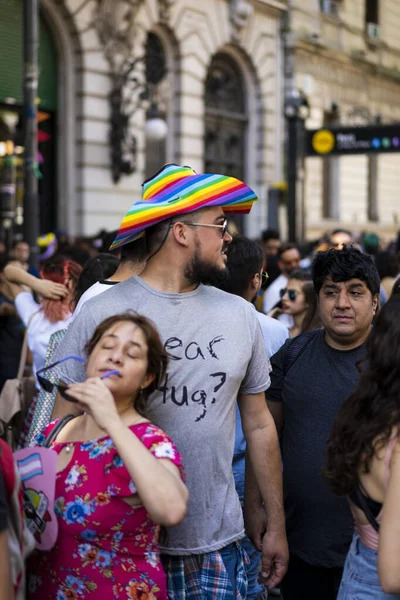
24 349
365 507
56 430
296 349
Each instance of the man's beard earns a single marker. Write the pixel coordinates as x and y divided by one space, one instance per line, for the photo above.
202 271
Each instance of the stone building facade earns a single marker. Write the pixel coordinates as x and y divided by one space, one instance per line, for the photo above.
235 42
347 63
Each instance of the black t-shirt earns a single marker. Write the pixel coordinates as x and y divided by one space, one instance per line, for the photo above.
319 524
3 505
11 338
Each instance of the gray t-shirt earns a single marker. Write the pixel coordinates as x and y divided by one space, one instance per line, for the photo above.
216 351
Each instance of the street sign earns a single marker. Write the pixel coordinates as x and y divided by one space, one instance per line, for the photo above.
329 141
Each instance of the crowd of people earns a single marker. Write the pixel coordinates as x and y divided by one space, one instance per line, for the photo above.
222 413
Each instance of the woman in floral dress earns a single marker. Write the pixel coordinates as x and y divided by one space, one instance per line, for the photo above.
118 476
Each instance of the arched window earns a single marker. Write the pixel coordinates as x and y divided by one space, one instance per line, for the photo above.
226 119
158 84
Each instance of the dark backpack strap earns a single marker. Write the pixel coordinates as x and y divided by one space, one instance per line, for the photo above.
56 430
363 504
296 349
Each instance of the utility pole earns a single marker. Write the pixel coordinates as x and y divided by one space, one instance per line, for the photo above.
296 111
31 76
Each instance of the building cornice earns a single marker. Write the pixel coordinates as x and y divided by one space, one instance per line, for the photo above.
273 6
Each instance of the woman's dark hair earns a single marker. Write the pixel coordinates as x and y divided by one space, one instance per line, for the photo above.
100 267
157 358
396 289
343 265
365 421
386 264
311 319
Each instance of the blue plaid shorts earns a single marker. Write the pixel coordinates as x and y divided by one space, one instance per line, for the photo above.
219 575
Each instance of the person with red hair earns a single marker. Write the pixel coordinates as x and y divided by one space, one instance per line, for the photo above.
56 286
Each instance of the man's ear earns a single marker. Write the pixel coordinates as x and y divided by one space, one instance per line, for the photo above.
375 303
255 281
180 233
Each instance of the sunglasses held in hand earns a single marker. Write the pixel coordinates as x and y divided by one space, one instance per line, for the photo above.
49 386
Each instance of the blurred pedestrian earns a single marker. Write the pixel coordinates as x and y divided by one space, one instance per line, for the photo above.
298 299
58 279
6 588
21 252
271 242
288 262
363 463
132 261
388 270
339 238
396 288
11 329
95 274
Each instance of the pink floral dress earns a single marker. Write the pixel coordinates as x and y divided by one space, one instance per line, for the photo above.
106 549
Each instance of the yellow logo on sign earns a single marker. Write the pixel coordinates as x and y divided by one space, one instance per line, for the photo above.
323 141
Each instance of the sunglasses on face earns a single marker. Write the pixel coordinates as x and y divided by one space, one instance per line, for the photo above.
292 294
223 226
49 386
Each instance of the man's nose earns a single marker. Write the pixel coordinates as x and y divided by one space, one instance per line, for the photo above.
342 299
227 237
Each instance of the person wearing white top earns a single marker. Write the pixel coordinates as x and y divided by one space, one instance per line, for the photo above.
59 277
133 260
289 261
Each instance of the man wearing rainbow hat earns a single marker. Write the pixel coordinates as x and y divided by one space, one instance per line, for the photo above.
217 357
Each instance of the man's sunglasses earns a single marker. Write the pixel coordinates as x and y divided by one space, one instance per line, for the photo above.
292 294
49 386
223 226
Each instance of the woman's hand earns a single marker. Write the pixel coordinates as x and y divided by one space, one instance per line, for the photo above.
50 289
95 398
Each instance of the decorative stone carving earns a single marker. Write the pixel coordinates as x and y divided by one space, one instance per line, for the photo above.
240 13
114 22
164 9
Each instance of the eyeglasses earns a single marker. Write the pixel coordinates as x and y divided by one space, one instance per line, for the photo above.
49 386
291 293
223 227
264 277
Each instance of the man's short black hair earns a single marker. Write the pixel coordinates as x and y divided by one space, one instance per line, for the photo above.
135 251
286 247
343 265
340 230
270 234
245 259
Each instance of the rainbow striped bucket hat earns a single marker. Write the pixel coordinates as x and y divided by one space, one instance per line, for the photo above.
176 190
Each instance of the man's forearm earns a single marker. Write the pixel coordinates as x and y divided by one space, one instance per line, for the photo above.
264 474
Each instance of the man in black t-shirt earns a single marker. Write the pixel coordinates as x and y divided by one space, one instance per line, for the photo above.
311 377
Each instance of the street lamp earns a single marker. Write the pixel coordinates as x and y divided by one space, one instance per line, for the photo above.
296 112
133 84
